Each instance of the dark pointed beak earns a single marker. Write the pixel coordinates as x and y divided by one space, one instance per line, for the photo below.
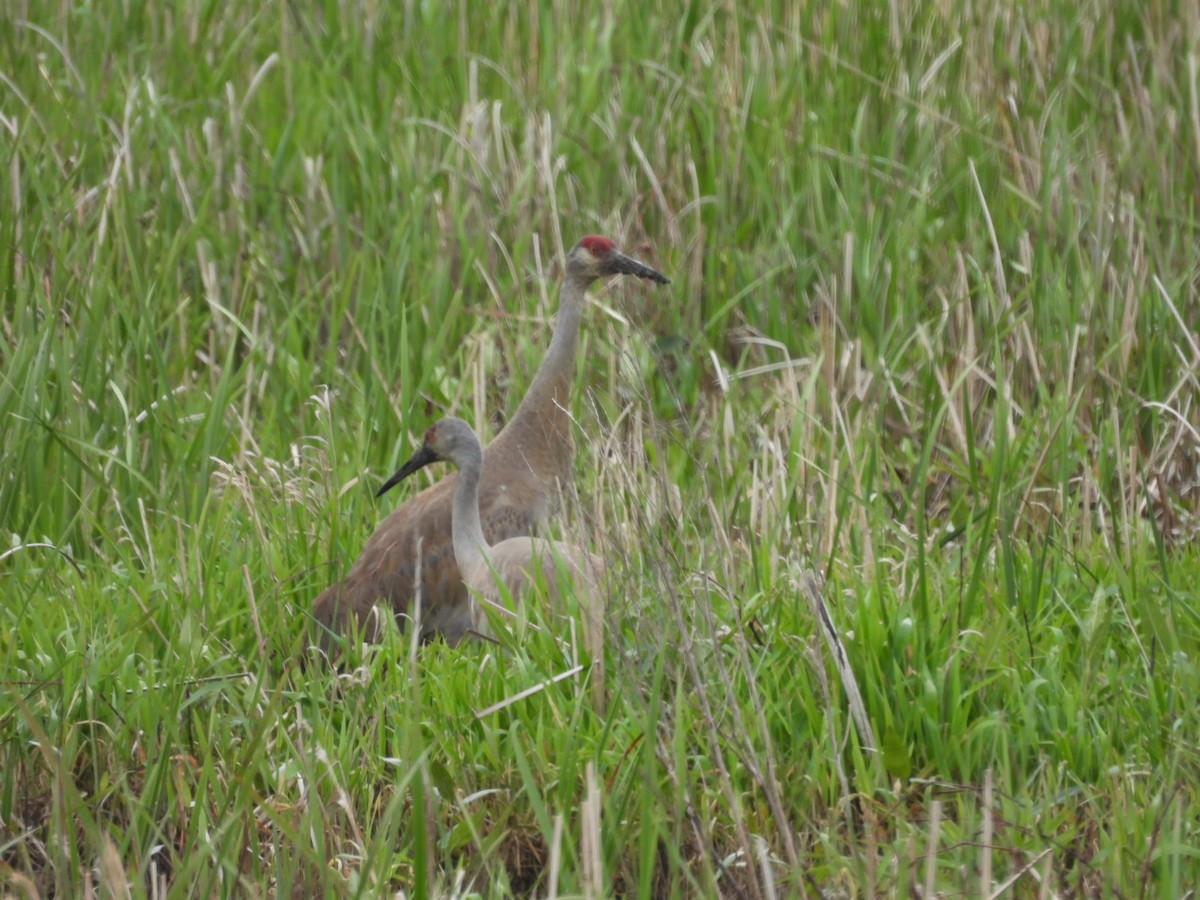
620 264
419 460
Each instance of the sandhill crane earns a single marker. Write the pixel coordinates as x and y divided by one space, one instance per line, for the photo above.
514 562
524 467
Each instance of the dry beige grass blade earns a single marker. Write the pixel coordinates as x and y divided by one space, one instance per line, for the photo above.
1029 868
591 844
528 692
113 878
809 583
931 849
985 838
555 865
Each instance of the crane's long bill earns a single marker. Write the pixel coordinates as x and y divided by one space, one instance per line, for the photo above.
627 265
419 460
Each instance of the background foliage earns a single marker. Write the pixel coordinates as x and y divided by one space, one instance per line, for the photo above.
931 335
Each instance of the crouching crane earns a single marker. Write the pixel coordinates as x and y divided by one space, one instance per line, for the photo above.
517 563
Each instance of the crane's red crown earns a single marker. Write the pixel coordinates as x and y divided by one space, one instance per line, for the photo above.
430 434
598 246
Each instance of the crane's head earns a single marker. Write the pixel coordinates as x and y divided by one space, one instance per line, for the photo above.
595 257
451 440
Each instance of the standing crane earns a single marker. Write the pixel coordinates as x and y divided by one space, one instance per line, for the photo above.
524 467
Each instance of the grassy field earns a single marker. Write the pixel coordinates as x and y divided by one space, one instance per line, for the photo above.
927 368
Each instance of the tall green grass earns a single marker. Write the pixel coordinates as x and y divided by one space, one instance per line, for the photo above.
929 347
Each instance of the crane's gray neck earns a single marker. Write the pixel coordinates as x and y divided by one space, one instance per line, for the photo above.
470 546
547 394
